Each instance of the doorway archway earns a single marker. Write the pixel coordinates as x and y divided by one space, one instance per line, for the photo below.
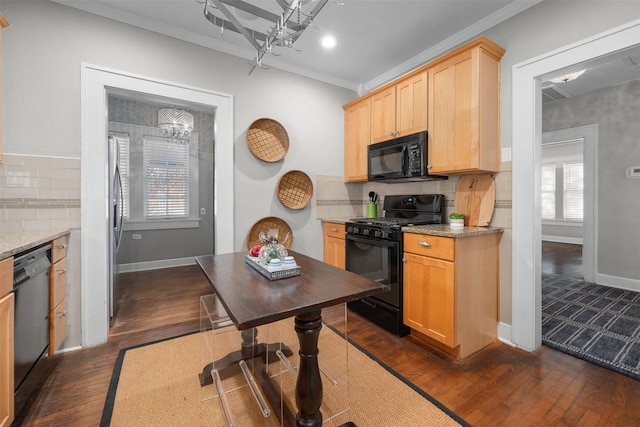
526 331
94 181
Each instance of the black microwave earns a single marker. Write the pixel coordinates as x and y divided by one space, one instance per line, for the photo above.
400 159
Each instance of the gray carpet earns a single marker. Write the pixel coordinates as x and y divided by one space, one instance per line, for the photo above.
592 322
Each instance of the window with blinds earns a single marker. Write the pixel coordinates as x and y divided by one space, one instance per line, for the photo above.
549 191
166 178
573 191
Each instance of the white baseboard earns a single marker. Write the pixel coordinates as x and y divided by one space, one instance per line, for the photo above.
504 334
618 282
154 265
562 239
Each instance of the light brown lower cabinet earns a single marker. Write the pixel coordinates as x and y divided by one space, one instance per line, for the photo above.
58 294
334 244
7 307
451 290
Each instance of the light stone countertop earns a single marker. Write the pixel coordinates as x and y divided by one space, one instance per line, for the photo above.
14 242
336 220
444 230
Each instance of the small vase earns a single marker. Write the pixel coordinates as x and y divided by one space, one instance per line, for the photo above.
456 223
272 251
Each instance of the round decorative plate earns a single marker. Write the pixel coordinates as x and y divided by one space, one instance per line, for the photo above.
267 140
295 189
266 224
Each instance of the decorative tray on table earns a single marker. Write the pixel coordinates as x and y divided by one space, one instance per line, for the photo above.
282 273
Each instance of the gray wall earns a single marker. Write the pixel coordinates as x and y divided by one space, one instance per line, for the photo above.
181 242
46 43
616 111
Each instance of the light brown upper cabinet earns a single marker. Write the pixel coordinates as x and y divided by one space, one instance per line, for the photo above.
464 110
400 109
3 23
357 136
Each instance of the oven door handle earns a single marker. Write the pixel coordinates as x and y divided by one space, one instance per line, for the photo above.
373 241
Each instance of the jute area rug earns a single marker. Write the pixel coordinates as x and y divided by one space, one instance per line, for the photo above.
157 384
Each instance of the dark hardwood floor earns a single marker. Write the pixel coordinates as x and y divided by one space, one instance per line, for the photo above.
562 259
500 386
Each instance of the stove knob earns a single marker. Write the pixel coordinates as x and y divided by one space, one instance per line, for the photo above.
349 229
366 231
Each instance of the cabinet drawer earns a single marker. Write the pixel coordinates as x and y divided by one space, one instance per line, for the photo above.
58 249
57 326
334 230
58 285
431 246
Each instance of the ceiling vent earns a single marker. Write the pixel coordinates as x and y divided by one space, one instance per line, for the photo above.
551 92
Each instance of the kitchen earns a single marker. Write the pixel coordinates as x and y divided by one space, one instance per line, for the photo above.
30 93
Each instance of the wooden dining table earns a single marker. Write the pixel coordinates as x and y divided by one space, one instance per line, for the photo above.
251 300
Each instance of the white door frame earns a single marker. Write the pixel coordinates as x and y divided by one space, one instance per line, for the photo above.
526 330
94 220
589 135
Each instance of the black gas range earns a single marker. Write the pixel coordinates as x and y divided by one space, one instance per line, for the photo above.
374 250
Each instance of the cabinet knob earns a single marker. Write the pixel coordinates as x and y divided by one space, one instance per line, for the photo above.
334 230
64 313
424 244
404 260
61 246
61 271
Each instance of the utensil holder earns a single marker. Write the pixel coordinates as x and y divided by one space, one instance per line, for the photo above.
372 210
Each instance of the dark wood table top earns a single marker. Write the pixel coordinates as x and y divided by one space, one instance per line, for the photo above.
251 299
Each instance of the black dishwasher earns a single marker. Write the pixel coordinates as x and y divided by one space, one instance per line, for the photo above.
31 338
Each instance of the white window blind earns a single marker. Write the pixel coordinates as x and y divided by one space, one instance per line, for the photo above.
573 190
166 178
549 191
123 168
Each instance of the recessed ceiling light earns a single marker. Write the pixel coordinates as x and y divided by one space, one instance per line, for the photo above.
328 42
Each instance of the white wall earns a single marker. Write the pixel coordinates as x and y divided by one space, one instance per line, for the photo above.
42 52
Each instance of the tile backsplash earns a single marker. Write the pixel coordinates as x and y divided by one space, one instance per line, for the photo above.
337 199
39 192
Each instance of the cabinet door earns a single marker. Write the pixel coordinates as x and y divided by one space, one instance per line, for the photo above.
57 326
452 144
383 115
357 136
6 359
411 105
334 244
429 297
334 251
58 283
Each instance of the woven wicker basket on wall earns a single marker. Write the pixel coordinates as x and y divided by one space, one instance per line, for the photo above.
295 189
266 224
268 140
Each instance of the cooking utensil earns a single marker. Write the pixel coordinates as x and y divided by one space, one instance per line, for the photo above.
373 197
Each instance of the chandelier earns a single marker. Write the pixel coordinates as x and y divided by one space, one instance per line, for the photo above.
279 29
175 123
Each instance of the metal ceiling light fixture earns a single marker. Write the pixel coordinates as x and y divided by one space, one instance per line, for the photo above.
567 77
280 29
175 122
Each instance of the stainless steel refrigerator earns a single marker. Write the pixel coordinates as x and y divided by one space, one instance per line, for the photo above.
116 215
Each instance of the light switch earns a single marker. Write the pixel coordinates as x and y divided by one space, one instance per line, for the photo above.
136 236
203 211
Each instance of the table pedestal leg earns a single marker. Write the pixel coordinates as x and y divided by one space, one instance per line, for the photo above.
309 384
